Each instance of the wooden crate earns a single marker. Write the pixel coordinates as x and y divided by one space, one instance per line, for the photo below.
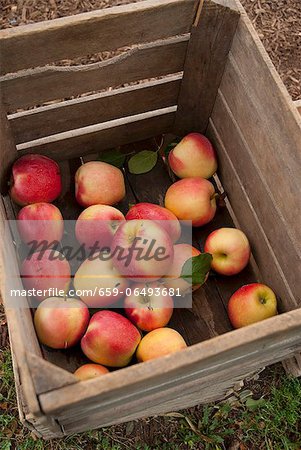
210 74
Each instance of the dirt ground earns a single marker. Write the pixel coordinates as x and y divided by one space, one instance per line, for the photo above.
278 23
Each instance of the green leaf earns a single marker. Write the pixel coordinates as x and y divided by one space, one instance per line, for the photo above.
170 146
254 404
143 162
114 157
196 268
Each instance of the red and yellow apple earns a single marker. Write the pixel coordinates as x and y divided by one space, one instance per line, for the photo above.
250 304
97 182
192 199
163 216
89 371
149 306
97 225
173 280
142 250
40 222
193 156
35 179
159 342
110 340
61 322
98 283
44 270
230 250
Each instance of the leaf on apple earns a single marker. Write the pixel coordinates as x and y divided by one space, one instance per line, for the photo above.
113 157
142 162
170 146
196 268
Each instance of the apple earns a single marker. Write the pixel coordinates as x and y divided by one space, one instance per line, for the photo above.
142 250
159 342
89 371
97 182
192 199
98 223
110 339
45 270
149 306
40 222
230 250
163 216
173 280
61 322
193 156
251 303
98 283
35 179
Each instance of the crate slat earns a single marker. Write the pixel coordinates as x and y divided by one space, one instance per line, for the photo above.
102 136
256 189
204 66
37 86
93 32
81 112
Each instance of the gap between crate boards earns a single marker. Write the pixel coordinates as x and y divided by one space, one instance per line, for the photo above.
208 316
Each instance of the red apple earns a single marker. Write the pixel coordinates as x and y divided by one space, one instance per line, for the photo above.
194 156
159 342
98 224
173 280
149 306
98 283
142 250
230 250
192 199
251 303
97 182
61 322
35 179
163 216
46 270
89 371
110 339
40 222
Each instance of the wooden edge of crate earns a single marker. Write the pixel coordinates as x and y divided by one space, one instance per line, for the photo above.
96 30
261 333
297 103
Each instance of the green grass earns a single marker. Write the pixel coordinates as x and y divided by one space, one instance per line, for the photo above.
266 416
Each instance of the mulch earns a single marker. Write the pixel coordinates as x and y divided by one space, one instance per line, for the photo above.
278 24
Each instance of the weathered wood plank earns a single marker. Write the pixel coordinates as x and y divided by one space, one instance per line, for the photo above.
259 194
81 112
37 86
8 151
95 138
239 350
268 120
247 217
297 103
207 52
46 376
93 32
